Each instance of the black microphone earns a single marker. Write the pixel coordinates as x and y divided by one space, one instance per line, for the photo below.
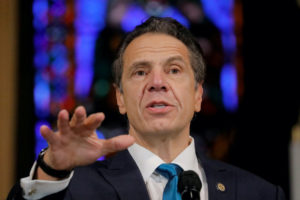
189 185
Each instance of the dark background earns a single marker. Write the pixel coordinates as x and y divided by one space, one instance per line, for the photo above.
271 101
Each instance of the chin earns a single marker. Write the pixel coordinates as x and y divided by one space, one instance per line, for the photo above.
161 130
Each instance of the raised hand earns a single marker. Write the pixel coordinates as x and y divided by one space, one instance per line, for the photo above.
76 142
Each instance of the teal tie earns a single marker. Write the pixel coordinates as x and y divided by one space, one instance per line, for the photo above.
171 172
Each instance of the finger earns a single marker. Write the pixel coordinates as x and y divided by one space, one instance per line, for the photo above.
78 117
94 121
63 121
48 134
116 144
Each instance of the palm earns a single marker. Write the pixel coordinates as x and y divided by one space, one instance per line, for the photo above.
76 142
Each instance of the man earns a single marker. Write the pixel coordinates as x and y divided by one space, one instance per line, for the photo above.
159 74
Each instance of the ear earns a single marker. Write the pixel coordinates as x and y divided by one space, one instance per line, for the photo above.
198 97
120 101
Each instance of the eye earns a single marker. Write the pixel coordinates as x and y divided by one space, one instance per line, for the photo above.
140 73
174 71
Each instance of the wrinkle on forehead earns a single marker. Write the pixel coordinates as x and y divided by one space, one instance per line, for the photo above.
157 44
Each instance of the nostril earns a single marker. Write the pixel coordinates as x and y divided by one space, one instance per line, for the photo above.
158 88
151 88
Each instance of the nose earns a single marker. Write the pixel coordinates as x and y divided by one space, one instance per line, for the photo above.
157 82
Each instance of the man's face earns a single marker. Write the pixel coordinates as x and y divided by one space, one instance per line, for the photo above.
159 94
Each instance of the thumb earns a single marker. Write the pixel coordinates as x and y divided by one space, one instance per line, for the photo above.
117 143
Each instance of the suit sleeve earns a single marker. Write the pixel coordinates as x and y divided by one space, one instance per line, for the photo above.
280 194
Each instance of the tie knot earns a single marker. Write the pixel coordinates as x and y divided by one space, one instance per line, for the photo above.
169 170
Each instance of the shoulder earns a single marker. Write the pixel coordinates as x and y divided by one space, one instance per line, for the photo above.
244 184
241 175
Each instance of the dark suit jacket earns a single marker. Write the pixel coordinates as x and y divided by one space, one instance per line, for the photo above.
119 178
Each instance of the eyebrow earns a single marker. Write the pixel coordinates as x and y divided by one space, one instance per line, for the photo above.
175 58
139 63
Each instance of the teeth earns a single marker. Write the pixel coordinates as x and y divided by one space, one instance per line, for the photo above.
158 106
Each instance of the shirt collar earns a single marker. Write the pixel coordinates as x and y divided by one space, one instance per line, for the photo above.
187 159
147 161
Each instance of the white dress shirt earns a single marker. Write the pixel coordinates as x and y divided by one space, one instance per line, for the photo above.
146 161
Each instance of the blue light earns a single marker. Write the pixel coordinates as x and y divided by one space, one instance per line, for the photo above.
58 9
41 59
58 50
40 25
84 44
42 98
90 19
83 81
51 61
174 13
221 14
229 43
40 142
39 7
134 16
60 65
100 136
228 81
57 34
60 62
90 15
39 11
84 58
40 42
59 85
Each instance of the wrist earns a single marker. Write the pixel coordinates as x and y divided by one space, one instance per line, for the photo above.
47 169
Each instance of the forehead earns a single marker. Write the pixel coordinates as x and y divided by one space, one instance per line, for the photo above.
154 46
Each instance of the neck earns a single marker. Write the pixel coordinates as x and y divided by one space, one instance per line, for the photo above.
165 145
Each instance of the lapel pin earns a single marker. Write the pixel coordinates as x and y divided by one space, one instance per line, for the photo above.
221 187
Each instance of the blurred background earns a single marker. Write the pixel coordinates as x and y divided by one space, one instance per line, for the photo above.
57 54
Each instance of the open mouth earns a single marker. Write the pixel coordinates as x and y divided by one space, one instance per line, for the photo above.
158 105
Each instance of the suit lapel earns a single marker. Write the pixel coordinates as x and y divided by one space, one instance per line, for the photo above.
123 174
221 181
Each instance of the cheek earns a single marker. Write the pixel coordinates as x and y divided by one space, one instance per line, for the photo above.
189 100
133 97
